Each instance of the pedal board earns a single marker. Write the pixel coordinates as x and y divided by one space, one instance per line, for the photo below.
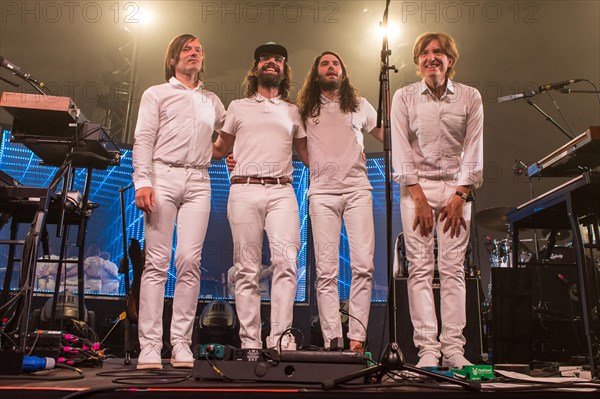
484 372
290 366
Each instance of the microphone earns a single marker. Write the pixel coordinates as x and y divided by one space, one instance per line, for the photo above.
525 94
541 89
558 85
19 72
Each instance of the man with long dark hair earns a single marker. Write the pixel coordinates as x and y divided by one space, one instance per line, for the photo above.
264 126
171 156
437 139
335 118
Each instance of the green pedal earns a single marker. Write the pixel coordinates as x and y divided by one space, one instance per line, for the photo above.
476 372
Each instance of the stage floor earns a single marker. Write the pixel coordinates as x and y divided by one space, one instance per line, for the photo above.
115 379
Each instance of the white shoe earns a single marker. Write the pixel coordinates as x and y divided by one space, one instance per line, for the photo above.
149 358
428 360
288 343
181 356
456 361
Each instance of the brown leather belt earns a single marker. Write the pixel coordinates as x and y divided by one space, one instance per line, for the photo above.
260 180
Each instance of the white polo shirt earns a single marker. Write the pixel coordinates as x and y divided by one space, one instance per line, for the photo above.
175 126
264 130
335 147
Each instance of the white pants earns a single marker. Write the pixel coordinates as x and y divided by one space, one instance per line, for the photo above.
182 196
451 255
326 213
253 208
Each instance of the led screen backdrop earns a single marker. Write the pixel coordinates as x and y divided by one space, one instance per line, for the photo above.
104 236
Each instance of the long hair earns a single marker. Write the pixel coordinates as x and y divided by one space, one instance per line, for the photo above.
250 85
172 54
447 43
309 98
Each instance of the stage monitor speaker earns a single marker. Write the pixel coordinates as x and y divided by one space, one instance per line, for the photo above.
404 329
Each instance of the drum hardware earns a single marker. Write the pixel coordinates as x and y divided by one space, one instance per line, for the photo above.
561 235
500 251
493 219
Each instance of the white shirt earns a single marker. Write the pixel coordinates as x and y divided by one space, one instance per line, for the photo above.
264 130
437 139
335 147
175 126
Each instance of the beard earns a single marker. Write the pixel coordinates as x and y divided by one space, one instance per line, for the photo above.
269 80
330 85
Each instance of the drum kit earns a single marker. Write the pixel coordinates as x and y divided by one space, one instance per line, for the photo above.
501 250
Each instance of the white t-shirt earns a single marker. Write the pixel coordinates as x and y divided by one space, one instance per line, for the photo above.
264 130
335 147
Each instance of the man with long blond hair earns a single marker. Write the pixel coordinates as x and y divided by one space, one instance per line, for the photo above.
171 156
335 118
437 141
264 126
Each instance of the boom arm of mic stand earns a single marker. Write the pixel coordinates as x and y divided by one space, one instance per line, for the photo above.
548 118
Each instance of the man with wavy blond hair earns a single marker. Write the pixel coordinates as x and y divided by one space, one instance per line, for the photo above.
437 141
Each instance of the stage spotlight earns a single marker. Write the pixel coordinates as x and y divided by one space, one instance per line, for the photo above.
217 323
392 32
144 16
66 308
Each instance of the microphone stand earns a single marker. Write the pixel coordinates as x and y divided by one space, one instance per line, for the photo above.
10 82
569 91
124 268
548 118
393 360
383 115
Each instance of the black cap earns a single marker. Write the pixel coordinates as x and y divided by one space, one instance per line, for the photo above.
270 48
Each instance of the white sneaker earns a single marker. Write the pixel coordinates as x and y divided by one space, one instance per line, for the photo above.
288 343
149 358
456 361
181 356
428 360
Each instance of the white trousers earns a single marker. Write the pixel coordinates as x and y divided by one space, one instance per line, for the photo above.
182 196
326 214
451 255
253 208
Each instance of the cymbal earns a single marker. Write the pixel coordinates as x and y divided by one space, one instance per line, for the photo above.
493 219
560 234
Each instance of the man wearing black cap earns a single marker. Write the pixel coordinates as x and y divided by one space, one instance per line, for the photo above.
264 125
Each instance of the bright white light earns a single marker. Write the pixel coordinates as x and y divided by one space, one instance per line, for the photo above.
392 31
144 16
